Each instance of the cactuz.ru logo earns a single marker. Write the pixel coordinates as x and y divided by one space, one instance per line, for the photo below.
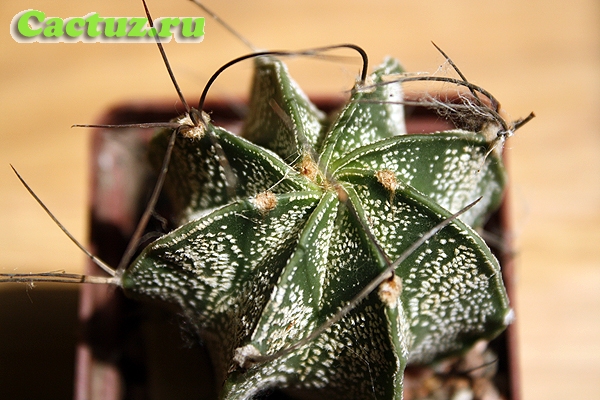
33 26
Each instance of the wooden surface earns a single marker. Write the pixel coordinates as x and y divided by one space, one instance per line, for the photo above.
538 55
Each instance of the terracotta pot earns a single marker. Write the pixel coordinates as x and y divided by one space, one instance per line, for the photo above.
132 350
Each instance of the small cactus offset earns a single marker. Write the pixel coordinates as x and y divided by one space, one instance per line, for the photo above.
319 254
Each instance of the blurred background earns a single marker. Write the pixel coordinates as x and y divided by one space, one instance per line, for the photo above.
541 56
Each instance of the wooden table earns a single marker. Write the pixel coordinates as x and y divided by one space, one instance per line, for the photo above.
541 56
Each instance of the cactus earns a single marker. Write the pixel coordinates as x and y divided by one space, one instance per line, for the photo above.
321 207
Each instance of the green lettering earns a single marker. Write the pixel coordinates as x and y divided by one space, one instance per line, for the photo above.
23 25
54 27
138 26
166 24
92 22
186 30
109 27
28 24
70 29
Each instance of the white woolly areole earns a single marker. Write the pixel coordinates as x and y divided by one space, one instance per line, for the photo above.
193 131
390 290
265 201
509 317
245 356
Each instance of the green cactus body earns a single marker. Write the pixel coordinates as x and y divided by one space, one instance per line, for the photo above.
258 267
